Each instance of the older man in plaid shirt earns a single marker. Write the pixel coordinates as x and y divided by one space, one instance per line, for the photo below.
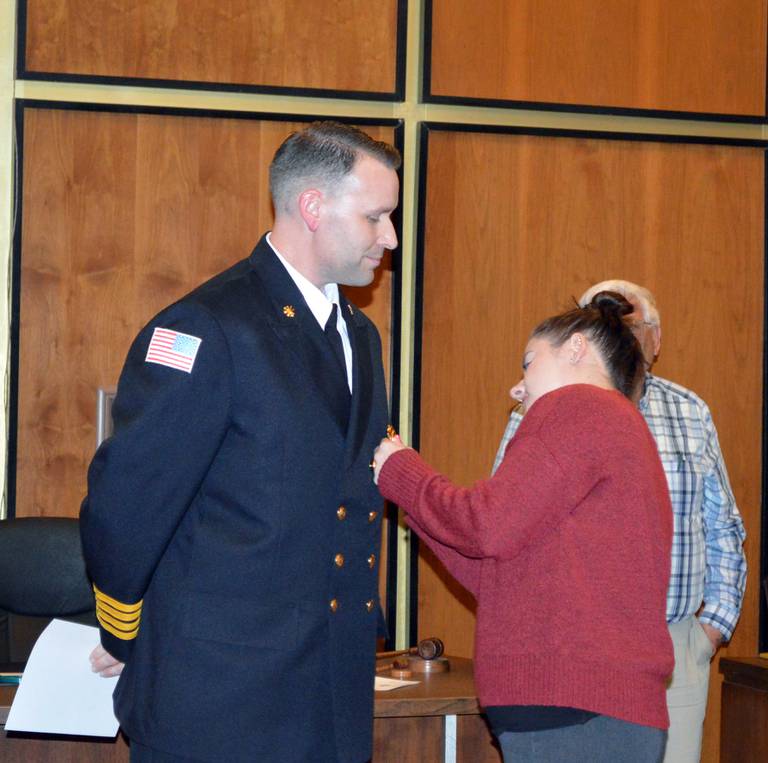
708 570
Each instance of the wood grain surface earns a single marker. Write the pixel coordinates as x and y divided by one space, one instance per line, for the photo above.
517 227
636 54
329 44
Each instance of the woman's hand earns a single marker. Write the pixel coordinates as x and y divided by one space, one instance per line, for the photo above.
387 447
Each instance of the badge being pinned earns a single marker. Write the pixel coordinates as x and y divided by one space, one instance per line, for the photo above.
173 349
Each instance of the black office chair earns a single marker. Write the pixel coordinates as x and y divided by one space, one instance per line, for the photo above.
42 576
765 589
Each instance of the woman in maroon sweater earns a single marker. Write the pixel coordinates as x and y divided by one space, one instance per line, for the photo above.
566 550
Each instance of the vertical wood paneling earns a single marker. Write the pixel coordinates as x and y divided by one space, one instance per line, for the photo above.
637 54
515 227
122 214
329 44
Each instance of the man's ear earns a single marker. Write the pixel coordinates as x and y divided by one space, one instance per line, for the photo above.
656 340
309 208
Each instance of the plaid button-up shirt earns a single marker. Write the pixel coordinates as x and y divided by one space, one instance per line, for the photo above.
708 562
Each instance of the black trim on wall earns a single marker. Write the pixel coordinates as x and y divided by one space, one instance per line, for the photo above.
355 95
180 111
401 49
550 132
413 589
13 393
390 605
426 47
418 308
503 103
425 129
395 365
397 290
698 116
762 637
214 87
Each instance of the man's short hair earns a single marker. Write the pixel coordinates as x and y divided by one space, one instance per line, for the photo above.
322 154
631 291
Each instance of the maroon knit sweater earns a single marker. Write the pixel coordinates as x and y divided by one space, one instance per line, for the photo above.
567 552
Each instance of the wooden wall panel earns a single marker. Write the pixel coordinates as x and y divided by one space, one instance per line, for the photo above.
637 54
516 226
122 214
330 44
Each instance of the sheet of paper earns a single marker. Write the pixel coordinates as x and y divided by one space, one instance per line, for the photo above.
58 693
387 684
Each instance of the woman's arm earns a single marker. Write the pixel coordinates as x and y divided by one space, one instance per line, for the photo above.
494 518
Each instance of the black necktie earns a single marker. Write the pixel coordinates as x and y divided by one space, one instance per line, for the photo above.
334 338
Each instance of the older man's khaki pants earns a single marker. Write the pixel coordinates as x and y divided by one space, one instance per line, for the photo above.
687 692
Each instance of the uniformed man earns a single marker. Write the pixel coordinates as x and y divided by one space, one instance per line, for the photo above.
232 526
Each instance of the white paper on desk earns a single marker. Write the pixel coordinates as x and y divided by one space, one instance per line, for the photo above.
58 693
382 683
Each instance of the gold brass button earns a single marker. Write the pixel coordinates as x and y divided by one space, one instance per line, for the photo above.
338 560
341 512
369 605
371 560
372 515
333 604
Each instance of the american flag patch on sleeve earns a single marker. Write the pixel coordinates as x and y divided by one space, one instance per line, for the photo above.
173 349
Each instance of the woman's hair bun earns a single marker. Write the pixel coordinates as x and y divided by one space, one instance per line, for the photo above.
604 323
611 304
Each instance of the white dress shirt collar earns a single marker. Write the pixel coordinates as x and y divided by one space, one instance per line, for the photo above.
320 302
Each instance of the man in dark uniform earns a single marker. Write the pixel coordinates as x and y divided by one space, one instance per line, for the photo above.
232 527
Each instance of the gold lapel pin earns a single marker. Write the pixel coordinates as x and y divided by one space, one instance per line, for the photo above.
289 311
391 432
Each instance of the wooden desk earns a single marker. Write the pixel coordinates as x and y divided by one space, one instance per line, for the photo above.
50 748
436 720
744 710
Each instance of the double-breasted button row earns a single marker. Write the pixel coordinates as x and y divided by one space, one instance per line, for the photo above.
334 605
341 514
338 560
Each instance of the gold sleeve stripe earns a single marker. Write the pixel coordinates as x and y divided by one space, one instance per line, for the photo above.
113 627
123 617
119 624
118 610
115 604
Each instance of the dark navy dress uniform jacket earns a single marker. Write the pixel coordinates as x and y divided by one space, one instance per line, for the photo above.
232 531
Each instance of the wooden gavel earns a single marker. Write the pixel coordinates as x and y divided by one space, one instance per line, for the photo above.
427 649
394 665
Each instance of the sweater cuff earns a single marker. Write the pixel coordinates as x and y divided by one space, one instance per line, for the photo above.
401 477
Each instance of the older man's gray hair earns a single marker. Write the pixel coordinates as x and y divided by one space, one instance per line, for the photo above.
632 291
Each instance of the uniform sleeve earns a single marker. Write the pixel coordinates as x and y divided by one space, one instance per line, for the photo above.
726 565
514 422
170 415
